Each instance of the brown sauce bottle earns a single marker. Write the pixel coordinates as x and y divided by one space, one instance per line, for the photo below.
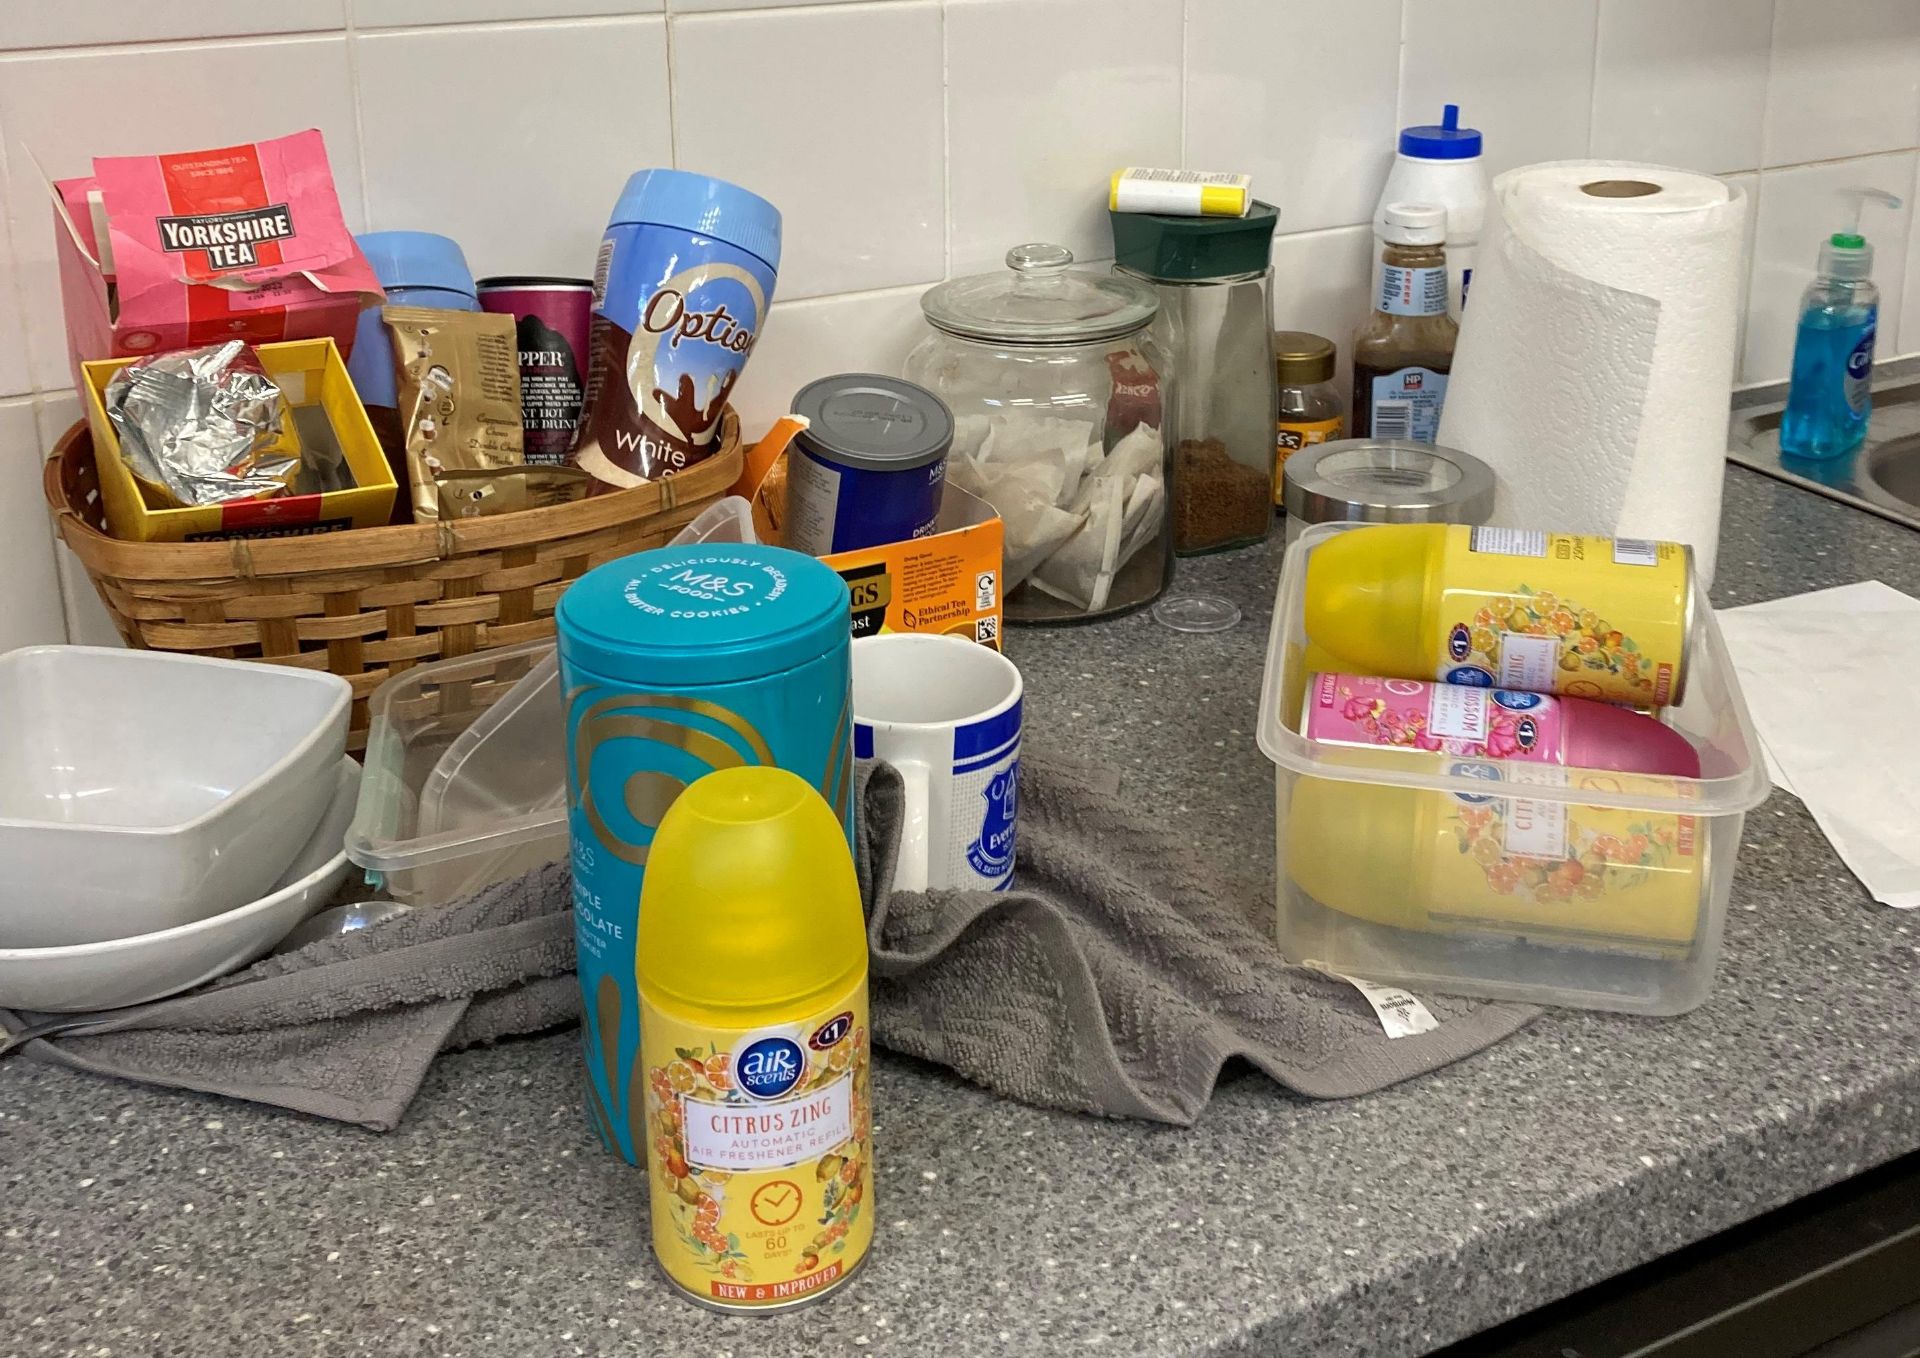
1403 352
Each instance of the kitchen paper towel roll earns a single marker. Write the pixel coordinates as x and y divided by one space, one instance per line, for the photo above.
1596 353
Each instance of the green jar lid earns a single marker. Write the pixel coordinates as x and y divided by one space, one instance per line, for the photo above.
1194 249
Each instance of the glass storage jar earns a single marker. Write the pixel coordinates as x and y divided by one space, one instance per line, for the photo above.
1060 406
1213 277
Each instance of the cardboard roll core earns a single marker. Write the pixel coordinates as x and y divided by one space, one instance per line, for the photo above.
1619 188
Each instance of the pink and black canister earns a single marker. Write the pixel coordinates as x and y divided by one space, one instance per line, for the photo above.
870 466
551 318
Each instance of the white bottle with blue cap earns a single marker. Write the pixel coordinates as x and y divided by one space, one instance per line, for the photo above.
1441 163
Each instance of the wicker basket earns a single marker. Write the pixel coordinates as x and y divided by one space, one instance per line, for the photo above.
373 601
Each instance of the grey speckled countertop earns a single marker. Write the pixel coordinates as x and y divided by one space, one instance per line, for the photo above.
143 1223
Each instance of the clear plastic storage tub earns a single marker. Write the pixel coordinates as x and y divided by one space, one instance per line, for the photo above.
466 779
466 776
1397 864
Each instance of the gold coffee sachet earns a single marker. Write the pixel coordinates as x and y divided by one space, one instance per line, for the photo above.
458 379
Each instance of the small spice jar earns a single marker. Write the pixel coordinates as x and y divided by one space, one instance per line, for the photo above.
1311 410
1384 481
1213 277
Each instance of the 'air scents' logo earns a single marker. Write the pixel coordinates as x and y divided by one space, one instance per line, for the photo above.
1483 771
769 1067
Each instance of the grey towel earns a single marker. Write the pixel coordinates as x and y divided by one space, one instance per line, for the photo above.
1119 979
1126 969
345 1028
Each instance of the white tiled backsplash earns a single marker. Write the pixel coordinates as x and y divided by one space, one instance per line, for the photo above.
907 140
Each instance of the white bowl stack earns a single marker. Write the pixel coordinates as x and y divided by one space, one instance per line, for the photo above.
163 818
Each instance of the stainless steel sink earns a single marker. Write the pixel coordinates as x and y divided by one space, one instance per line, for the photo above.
1883 477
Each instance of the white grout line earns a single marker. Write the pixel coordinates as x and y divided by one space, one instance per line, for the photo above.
1593 77
16 291
671 23
865 294
1766 88
946 145
359 113
22 54
1186 77
1400 76
495 25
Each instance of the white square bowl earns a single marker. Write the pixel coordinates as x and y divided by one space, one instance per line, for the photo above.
125 971
141 790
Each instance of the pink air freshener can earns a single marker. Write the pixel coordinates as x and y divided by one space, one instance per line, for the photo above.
551 317
1492 723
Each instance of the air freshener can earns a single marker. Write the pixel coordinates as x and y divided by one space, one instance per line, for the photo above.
752 971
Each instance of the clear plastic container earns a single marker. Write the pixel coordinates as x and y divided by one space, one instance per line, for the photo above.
466 780
466 776
1598 890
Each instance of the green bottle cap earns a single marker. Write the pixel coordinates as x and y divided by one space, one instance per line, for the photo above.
1847 240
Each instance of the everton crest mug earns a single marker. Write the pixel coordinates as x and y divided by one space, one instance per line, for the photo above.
945 712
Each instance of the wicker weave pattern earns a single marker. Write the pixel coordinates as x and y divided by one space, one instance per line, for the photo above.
368 603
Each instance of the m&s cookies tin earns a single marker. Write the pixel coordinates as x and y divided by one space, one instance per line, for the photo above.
675 663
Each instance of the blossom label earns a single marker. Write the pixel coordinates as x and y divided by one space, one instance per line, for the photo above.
1474 723
725 1136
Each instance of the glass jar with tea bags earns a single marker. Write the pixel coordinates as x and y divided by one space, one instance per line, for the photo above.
1061 407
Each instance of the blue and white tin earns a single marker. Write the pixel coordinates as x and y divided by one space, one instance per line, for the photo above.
870 466
945 712
675 663
417 268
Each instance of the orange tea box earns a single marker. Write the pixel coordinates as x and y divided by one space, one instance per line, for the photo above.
947 582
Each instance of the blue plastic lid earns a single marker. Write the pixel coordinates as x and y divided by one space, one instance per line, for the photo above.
1448 141
416 259
705 205
699 615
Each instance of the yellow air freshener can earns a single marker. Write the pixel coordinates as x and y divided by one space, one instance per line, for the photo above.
752 973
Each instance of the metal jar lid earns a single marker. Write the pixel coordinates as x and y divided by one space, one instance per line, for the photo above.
1302 358
873 423
1386 481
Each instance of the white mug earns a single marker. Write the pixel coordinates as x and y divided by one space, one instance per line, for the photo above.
945 712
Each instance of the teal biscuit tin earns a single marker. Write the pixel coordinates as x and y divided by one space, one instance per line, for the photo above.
675 663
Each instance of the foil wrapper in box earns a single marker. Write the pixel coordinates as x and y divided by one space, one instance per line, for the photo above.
203 426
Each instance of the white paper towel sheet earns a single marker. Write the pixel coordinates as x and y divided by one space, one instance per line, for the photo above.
1595 364
1829 677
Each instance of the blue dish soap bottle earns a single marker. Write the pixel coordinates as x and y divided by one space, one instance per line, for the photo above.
1830 394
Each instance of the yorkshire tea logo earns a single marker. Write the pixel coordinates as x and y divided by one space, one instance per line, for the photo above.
228 238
